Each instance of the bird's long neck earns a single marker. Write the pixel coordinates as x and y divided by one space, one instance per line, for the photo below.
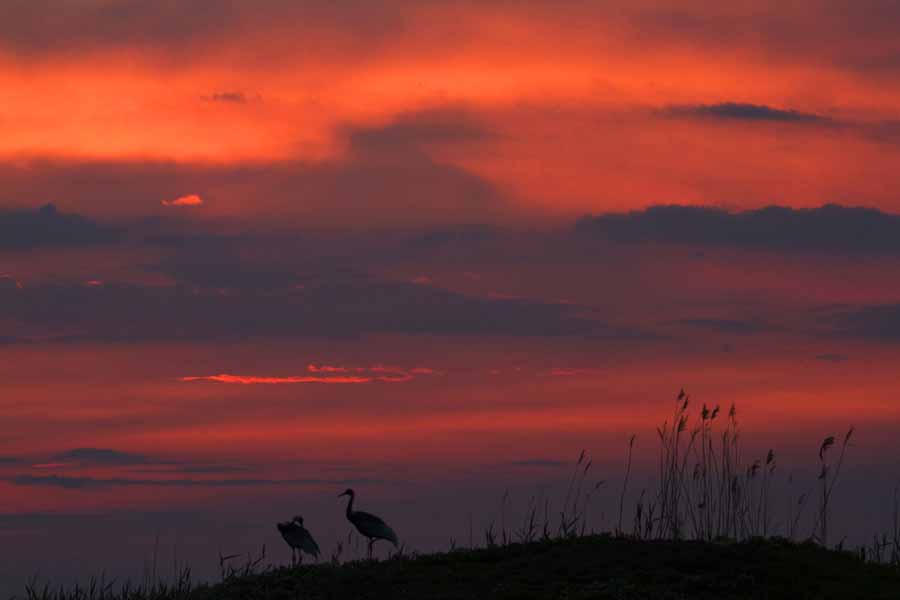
350 505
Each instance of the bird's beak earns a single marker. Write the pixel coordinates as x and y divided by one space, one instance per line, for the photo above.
342 494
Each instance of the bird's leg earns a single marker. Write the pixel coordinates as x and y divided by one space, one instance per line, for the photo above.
299 557
371 542
293 557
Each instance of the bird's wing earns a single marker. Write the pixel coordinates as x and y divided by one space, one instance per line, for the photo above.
372 526
308 544
293 535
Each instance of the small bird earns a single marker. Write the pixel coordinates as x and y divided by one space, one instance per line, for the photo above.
367 524
299 539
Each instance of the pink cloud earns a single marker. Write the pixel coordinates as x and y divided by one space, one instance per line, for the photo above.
189 200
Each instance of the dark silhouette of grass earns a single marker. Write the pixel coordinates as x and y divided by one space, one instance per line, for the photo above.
580 567
588 567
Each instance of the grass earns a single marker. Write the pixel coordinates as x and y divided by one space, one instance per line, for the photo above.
705 531
587 567
706 490
599 567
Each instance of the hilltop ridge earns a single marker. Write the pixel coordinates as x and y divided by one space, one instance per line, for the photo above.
587 567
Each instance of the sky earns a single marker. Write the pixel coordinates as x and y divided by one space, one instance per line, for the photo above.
254 253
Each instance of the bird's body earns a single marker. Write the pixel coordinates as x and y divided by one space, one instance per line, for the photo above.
372 527
369 525
299 539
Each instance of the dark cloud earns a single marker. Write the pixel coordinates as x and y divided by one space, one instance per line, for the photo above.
463 234
202 469
881 322
856 35
331 309
830 228
157 232
8 283
540 462
43 26
103 456
887 132
229 97
734 326
744 111
413 130
258 262
38 28
28 522
884 132
822 34
224 272
114 458
47 226
67 482
395 190
832 357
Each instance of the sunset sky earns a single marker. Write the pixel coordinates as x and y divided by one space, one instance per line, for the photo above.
253 253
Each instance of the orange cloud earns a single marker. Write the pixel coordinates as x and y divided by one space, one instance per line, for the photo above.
252 379
325 369
324 374
189 200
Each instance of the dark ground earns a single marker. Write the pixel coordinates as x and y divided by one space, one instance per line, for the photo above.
589 567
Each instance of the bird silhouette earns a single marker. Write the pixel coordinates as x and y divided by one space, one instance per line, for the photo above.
368 524
299 539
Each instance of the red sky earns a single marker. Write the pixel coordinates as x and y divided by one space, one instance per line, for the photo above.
244 193
561 111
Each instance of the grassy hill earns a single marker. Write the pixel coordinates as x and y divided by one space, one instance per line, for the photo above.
588 567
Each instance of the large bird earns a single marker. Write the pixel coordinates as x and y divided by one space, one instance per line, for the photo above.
299 539
368 525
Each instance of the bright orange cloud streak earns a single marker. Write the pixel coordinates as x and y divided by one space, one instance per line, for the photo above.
375 374
189 200
249 379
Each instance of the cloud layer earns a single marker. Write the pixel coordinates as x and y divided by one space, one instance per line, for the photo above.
46 226
102 456
831 228
386 177
339 310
